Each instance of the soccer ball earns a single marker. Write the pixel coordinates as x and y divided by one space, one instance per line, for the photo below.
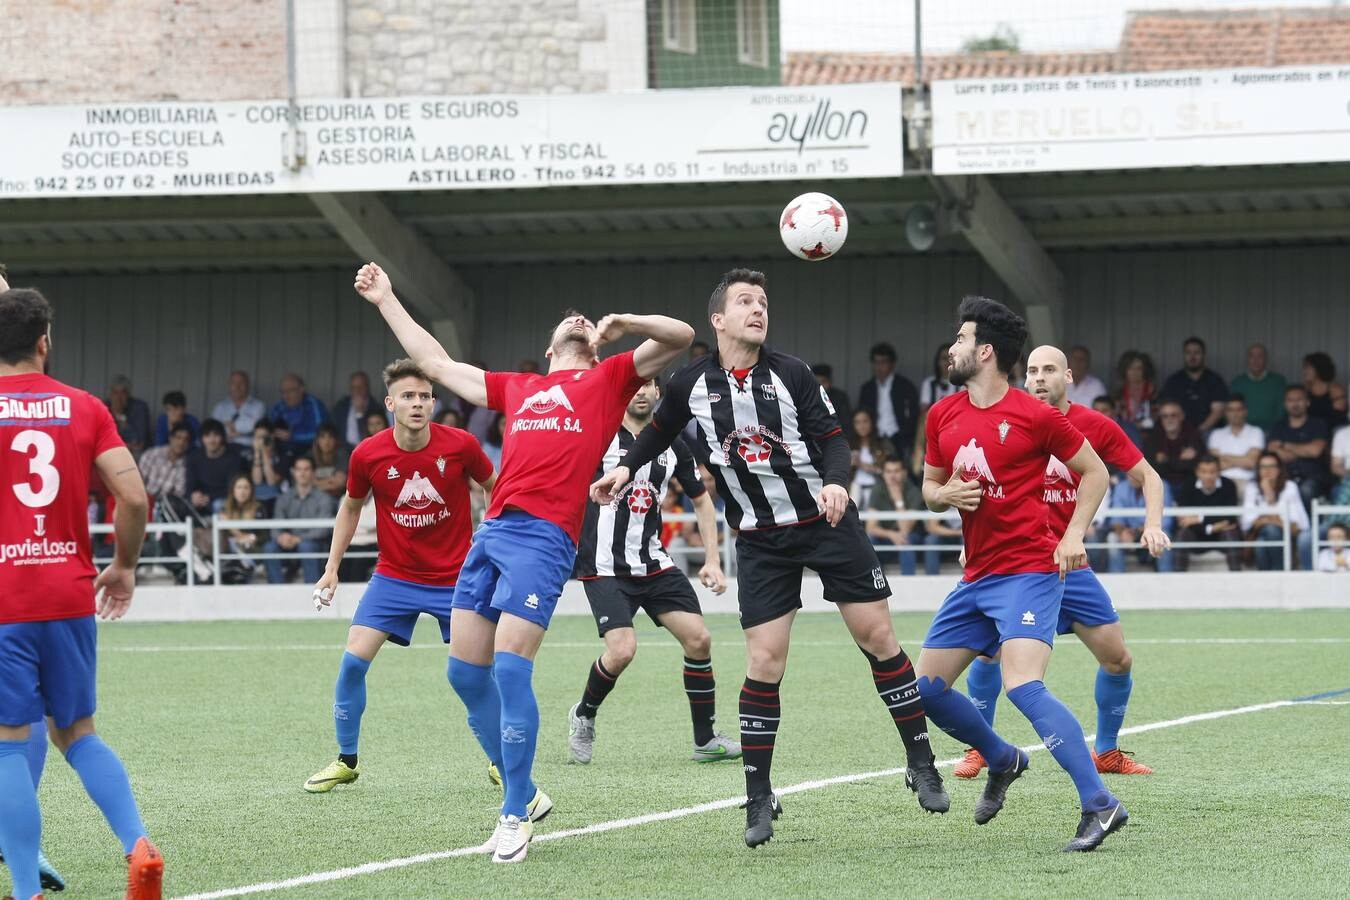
813 226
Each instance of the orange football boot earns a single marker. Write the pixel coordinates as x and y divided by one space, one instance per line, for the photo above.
970 765
145 871
1116 762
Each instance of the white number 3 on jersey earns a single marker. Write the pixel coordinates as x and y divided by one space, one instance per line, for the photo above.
43 450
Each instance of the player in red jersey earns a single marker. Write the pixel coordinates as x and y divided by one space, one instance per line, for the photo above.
987 450
51 437
558 426
1086 609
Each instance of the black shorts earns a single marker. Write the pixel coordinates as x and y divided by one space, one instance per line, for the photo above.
614 601
769 566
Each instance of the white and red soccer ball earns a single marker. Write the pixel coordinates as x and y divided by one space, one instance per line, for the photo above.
813 226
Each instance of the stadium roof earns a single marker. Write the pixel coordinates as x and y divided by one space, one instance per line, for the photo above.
1152 41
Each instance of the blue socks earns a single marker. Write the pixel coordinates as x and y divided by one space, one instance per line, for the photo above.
984 682
20 820
106 782
476 687
1113 696
953 712
1063 737
349 702
37 750
519 729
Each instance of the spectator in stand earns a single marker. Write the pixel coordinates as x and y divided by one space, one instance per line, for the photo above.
239 411
1085 387
1340 469
1107 407
1135 390
296 417
938 532
1326 398
1124 532
267 467
1238 443
303 501
698 349
242 505
1272 487
896 493
870 450
891 399
843 410
529 366
131 415
936 386
1335 556
1208 489
1263 389
1301 443
349 413
211 468
492 445
175 411
1200 391
450 417
331 457
164 469
1174 446
375 423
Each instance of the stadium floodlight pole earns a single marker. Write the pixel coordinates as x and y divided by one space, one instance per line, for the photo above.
293 140
920 110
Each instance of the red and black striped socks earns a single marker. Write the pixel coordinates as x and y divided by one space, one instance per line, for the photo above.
701 689
760 714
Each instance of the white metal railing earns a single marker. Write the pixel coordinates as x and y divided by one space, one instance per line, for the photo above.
219 525
1319 510
159 529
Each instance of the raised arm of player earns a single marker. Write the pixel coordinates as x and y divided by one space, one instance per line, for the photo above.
1146 478
114 585
465 380
1070 554
666 338
344 528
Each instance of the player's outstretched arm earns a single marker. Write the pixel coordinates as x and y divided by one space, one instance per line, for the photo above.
711 575
666 338
1070 554
1146 478
465 380
114 585
344 529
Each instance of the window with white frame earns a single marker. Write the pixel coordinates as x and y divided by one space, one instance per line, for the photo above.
679 23
752 32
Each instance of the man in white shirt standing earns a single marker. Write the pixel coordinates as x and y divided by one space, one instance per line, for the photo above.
239 411
1238 444
1085 387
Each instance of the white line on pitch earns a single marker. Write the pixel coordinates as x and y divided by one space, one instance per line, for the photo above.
683 812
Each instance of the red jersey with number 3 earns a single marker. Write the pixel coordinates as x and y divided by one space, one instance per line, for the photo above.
1112 445
558 427
50 435
423 521
1004 448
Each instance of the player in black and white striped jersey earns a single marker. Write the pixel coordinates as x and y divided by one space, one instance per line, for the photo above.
767 431
624 567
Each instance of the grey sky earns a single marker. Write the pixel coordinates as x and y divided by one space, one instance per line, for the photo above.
1041 24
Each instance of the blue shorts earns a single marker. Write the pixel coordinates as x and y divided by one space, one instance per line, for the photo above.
1085 601
518 564
392 605
982 614
47 668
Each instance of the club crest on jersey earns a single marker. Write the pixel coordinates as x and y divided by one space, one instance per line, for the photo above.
440 464
546 401
1003 429
770 391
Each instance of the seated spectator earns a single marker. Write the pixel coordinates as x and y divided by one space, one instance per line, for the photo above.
349 413
896 493
303 501
1326 398
1124 532
267 466
843 410
131 415
938 532
1340 469
242 505
1237 444
296 417
869 451
164 469
1208 489
936 386
240 410
375 423
1107 407
1135 390
1200 391
330 457
529 367
1263 389
450 417
1300 441
358 568
1335 556
1085 387
211 468
892 400
1174 446
1272 488
492 444
698 349
175 411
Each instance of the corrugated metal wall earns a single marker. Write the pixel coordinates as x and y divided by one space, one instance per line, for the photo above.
189 331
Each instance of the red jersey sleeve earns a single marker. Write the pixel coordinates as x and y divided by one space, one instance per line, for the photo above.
105 430
1114 446
1058 436
475 460
931 428
358 471
622 373
496 383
